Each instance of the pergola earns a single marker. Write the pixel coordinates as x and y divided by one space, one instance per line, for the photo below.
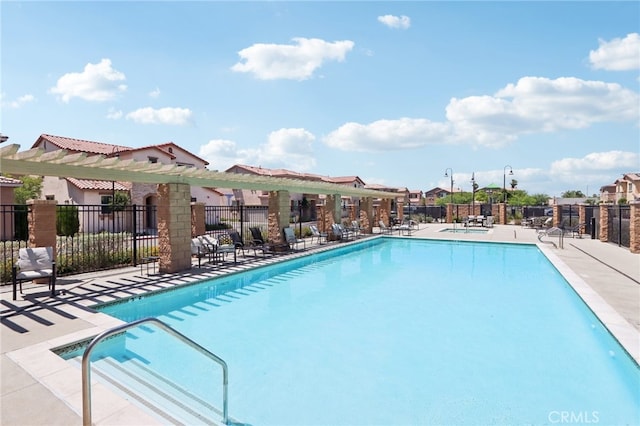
61 164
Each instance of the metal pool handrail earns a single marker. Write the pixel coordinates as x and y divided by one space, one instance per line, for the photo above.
86 370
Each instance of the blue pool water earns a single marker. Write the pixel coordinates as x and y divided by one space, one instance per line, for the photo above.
393 332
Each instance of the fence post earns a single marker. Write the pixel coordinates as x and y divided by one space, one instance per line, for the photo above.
134 233
634 227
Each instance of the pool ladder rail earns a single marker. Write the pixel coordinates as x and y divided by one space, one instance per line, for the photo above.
86 364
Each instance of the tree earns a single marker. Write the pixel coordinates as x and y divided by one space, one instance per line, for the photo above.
31 189
574 193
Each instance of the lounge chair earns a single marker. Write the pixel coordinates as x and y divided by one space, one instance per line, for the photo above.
292 240
237 240
355 228
201 248
317 234
341 232
384 229
34 263
258 242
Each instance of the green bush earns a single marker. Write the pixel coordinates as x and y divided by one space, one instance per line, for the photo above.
67 221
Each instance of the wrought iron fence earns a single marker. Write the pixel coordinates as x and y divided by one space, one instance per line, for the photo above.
619 225
89 237
219 219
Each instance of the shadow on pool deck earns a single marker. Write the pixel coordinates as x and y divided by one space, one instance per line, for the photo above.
37 320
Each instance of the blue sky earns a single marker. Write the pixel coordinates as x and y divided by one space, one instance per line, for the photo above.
393 92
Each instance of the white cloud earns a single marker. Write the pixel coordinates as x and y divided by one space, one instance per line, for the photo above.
532 105
296 61
619 54
154 93
387 135
610 160
172 116
19 102
114 114
287 148
402 22
98 82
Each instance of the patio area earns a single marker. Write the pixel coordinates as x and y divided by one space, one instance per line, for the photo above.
38 388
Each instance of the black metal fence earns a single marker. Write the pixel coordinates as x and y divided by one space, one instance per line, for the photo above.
89 237
220 219
619 225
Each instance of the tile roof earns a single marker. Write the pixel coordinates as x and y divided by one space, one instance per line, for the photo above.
98 185
7 181
79 145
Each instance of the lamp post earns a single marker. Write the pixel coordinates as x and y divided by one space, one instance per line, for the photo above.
473 193
449 173
504 181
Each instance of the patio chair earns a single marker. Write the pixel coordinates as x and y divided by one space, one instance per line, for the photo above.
258 242
226 246
384 229
341 232
292 240
201 248
317 234
237 240
34 263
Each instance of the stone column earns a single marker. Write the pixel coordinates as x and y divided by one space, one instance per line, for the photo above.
582 214
557 215
604 222
198 226
366 215
352 212
279 212
449 218
634 227
400 210
174 227
502 213
41 217
384 211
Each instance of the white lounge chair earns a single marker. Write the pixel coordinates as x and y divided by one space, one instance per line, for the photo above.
317 234
34 263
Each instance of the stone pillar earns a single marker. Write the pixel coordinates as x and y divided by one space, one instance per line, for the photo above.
198 226
366 215
604 222
384 211
449 218
582 214
400 210
634 227
321 218
41 217
557 215
502 213
174 227
352 212
279 212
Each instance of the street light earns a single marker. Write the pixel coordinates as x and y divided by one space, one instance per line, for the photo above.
473 193
451 176
504 181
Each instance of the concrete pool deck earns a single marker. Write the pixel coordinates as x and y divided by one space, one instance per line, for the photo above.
39 388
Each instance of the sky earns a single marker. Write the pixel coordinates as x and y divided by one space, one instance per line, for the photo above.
397 93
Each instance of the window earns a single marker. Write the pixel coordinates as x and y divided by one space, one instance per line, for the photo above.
153 159
49 197
105 200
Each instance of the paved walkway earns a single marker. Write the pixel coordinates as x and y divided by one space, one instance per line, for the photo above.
39 388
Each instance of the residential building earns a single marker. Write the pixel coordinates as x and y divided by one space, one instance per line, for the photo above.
626 188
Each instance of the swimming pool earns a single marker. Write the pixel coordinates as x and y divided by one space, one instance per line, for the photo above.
465 230
392 331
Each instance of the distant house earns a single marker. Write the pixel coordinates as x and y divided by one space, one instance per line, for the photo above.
7 197
434 194
100 192
627 188
415 196
308 201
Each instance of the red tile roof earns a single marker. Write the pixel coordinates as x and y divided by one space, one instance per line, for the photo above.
79 145
98 185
